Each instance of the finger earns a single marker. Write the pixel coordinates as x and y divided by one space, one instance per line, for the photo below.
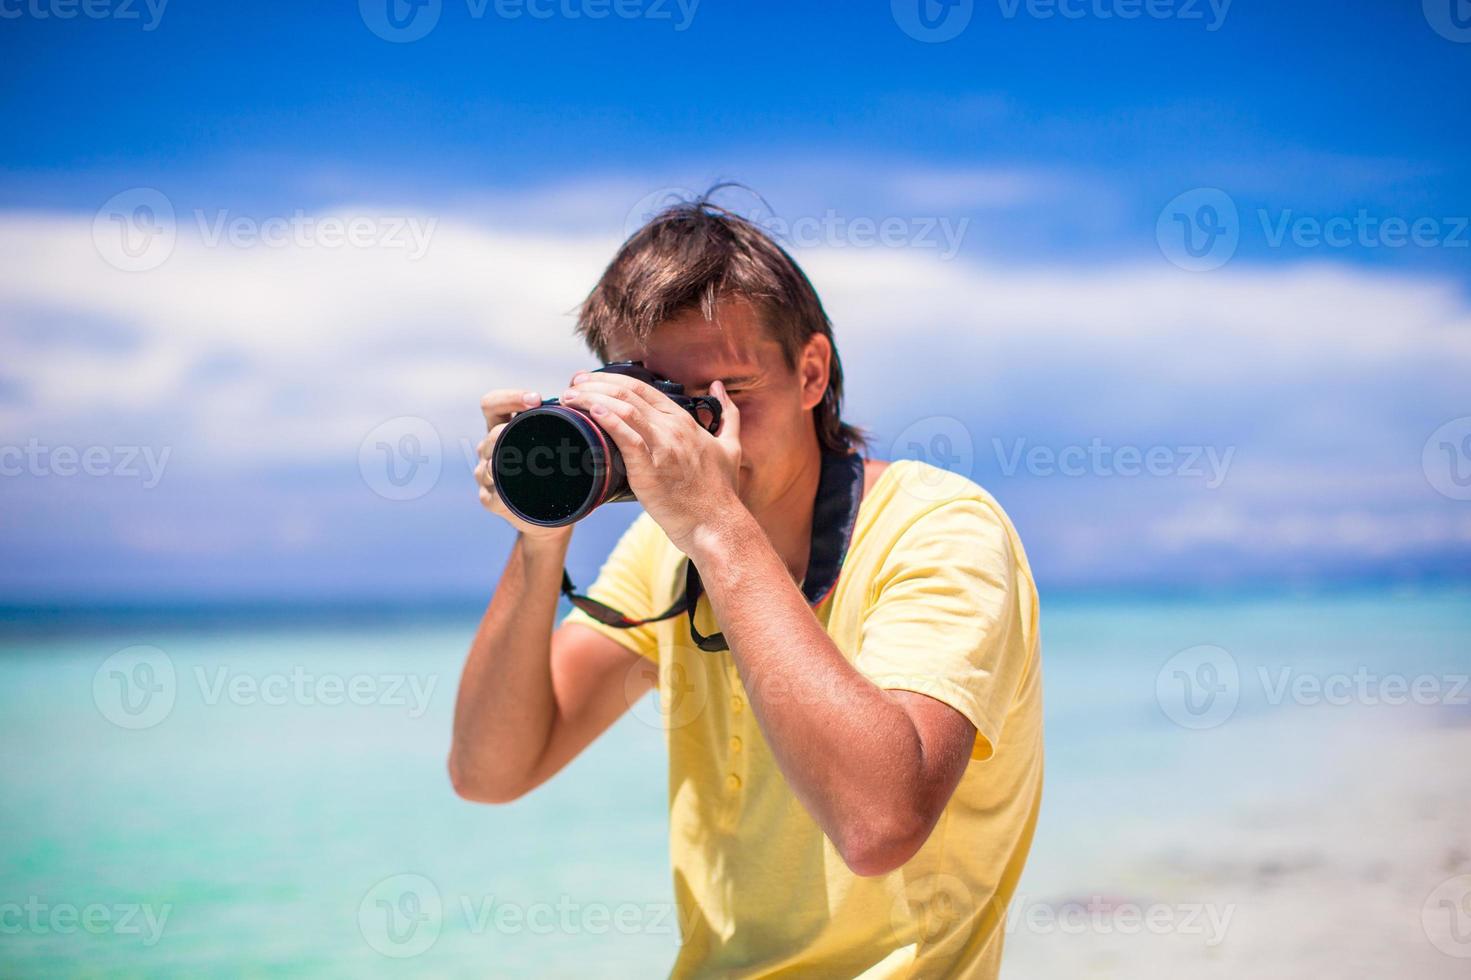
730 416
630 387
635 412
499 405
633 427
487 445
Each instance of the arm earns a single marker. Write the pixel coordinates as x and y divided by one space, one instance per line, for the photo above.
873 767
530 700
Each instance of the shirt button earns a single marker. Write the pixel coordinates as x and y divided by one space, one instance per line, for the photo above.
735 743
732 782
736 704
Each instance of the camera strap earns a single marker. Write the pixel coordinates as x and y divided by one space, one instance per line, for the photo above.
834 514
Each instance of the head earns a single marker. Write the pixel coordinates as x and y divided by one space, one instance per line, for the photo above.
700 294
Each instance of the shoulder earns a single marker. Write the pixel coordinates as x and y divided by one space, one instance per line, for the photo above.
919 508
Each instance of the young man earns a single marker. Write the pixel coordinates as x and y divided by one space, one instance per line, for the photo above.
854 710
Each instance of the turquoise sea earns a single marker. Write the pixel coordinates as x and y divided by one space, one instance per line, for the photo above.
247 793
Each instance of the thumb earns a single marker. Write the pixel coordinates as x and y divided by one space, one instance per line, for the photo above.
730 416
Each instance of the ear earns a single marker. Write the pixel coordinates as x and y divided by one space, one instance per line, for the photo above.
812 369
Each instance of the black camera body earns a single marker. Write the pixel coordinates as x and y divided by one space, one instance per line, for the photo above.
553 465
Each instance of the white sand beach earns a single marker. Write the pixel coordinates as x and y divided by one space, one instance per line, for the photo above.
1350 868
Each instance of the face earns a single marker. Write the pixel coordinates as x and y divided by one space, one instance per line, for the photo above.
775 400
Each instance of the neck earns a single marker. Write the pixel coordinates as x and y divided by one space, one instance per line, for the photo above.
787 517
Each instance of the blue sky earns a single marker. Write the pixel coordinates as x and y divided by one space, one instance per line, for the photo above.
1031 299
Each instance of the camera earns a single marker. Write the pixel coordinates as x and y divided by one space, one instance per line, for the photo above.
553 465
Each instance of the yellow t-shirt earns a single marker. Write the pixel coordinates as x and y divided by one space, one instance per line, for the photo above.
935 596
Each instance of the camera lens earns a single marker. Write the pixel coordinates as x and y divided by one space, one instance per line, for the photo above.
552 465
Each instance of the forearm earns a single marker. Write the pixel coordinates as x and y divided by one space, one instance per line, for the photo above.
849 750
506 706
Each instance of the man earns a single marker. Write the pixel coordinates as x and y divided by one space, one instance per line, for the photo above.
854 708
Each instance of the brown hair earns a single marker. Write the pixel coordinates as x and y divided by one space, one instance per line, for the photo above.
693 255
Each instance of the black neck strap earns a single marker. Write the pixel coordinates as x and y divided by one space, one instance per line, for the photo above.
834 514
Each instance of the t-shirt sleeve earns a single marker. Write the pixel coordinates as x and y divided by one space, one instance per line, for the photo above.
946 615
625 583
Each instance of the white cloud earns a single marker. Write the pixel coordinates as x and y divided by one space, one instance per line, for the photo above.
260 355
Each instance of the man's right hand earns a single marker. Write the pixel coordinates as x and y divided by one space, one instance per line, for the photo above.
498 406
